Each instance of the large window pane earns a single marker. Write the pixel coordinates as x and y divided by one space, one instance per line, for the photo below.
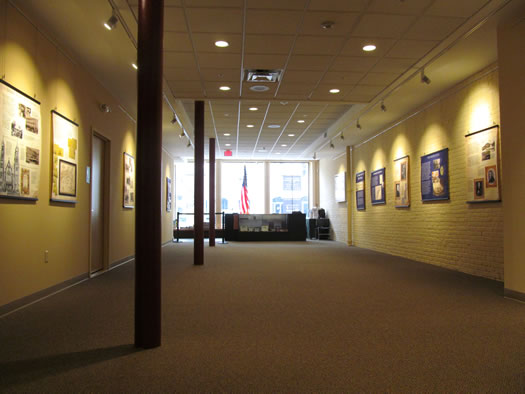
184 187
288 187
231 185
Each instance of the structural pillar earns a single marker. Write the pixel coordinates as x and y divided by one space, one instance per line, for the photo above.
212 191
198 244
148 175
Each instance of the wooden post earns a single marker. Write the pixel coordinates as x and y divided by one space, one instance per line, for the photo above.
198 244
148 176
212 191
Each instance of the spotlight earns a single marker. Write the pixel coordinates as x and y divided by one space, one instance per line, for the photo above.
189 144
111 22
424 78
325 134
181 134
358 125
315 156
342 136
332 146
383 107
174 119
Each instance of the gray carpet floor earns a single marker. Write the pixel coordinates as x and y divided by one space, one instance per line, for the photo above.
274 317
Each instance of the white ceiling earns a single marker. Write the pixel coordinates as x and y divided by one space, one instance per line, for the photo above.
450 39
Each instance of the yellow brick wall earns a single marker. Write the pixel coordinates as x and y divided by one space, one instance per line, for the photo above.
451 234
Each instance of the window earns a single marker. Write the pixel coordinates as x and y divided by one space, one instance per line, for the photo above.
289 187
184 186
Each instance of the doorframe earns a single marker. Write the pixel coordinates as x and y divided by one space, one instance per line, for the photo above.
107 192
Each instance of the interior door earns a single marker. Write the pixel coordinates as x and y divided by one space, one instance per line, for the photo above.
97 204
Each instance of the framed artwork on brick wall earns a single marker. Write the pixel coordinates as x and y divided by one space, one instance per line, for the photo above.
360 190
377 187
483 180
434 176
401 182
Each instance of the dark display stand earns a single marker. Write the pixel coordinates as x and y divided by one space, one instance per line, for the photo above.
292 228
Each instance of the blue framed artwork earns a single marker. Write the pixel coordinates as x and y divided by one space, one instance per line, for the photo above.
377 186
360 190
434 176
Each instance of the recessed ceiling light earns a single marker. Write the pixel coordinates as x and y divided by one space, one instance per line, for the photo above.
334 91
228 144
222 44
369 48
249 125
253 109
300 121
134 66
259 88
283 145
273 126
226 134
225 88
291 135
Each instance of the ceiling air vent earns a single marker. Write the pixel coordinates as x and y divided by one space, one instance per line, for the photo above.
262 75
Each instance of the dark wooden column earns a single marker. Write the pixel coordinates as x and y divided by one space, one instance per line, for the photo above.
198 244
212 191
148 175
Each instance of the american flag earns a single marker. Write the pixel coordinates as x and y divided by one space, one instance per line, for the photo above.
245 202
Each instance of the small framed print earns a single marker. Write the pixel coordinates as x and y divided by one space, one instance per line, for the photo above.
129 181
67 176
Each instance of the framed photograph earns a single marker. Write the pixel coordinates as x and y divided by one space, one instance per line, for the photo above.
128 200
67 175
168 194
340 187
434 176
65 159
401 182
377 187
482 155
20 144
360 190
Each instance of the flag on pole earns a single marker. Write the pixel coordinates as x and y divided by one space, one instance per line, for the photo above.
245 202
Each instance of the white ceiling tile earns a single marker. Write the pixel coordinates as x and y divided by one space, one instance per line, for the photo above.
323 92
343 23
433 28
264 61
454 8
272 22
214 3
304 62
221 74
174 41
353 63
379 79
174 19
393 65
302 76
179 59
268 44
338 5
342 78
217 60
315 45
405 7
278 4
181 74
205 42
385 26
295 89
411 49
208 20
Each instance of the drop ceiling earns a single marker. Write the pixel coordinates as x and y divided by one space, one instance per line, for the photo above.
450 39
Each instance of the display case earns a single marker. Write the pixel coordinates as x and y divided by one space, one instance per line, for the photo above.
266 227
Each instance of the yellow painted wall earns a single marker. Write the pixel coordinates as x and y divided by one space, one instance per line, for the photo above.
511 39
451 234
34 65
335 211
168 170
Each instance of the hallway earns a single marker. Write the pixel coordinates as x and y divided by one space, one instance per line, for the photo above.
274 317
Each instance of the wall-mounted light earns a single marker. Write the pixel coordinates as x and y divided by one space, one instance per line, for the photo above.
424 78
111 23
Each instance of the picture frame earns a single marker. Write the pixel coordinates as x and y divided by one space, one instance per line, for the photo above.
360 191
377 187
67 175
128 196
402 182
168 194
434 176
340 187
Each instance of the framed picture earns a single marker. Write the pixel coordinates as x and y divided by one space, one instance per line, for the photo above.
401 182
168 194
65 159
129 181
340 187
483 181
377 187
67 175
434 176
20 144
360 190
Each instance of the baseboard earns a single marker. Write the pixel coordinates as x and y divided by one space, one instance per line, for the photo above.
515 295
39 295
117 263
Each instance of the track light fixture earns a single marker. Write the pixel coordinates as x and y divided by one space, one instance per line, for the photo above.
325 134
111 22
342 136
424 78
189 144
174 119
383 106
357 124
314 156
181 134
105 108
332 146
